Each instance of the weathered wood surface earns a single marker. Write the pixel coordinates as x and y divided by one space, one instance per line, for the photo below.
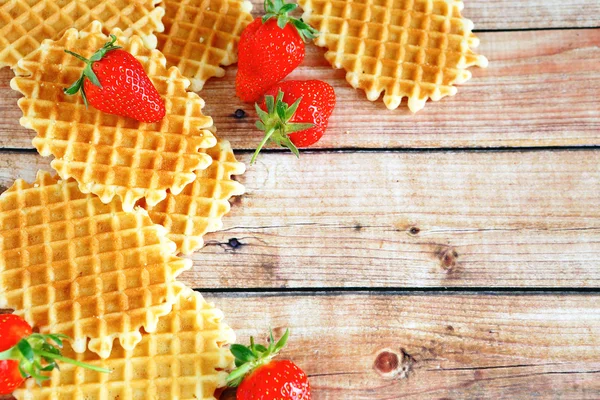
540 90
446 346
402 219
460 346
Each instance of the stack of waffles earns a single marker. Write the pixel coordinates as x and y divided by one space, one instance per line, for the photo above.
92 251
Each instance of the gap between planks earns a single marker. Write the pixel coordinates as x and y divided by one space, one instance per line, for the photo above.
539 90
445 346
393 220
451 346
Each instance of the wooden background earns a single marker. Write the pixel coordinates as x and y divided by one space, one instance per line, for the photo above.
451 254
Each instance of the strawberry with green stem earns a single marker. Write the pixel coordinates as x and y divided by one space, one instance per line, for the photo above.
269 49
24 354
114 81
259 377
303 123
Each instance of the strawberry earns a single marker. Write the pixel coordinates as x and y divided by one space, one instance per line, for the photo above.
301 124
24 354
114 81
259 377
269 49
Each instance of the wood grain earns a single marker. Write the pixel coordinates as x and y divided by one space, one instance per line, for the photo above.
402 219
540 90
456 346
445 346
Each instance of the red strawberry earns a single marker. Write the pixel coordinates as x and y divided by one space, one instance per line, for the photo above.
117 84
24 354
301 124
269 49
258 377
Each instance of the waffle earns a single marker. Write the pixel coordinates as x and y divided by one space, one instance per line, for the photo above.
74 265
24 24
199 208
184 359
201 35
106 154
408 48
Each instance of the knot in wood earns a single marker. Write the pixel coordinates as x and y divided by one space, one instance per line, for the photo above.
390 364
386 362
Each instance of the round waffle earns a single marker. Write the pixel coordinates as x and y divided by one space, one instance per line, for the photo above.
406 48
74 265
106 154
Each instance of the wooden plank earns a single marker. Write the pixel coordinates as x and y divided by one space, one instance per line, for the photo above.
540 90
447 346
444 346
402 219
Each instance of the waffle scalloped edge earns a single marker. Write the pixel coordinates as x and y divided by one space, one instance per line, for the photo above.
19 198
205 201
187 357
200 47
55 133
142 17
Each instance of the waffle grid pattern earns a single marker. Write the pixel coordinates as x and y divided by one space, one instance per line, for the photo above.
408 48
198 209
184 359
71 264
106 154
201 35
24 24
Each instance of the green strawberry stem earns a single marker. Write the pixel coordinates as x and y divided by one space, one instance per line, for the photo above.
275 122
87 70
279 9
37 354
248 358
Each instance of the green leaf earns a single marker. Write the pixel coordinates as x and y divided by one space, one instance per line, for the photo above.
297 127
270 103
282 20
88 73
268 16
288 8
24 373
74 88
260 347
263 115
292 109
26 350
57 338
281 110
242 353
236 376
288 143
283 340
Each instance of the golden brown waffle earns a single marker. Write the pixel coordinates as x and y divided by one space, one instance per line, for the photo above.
408 48
106 154
24 24
201 35
74 265
184 359
198 210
